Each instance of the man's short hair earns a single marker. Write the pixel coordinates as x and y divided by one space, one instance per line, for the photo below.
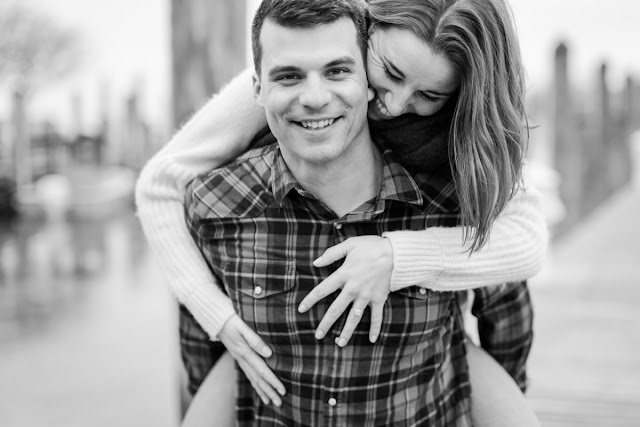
307 14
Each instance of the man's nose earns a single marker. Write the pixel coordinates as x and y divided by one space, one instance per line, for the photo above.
397 101
315 93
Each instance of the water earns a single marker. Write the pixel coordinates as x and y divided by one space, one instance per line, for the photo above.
87 326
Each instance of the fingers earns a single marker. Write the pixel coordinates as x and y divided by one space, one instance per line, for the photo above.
252 356
264 390
246 348
355 314
324 288
333 313
255 342
377 310
334 253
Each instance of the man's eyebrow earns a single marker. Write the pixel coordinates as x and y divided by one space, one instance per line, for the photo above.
345 60
283 69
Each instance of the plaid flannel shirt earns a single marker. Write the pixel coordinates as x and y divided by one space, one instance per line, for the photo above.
260 232
505 326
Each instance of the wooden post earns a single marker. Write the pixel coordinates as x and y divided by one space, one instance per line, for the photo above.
567 160
21 142
104 134
135 143
208 44
601 157
623 148
635 110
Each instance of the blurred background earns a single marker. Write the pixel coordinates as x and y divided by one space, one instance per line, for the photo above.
90 89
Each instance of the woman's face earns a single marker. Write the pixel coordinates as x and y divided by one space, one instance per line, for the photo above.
407 75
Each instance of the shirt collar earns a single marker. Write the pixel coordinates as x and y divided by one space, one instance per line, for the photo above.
282 180
397 183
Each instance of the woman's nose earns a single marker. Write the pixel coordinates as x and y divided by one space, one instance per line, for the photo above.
397 101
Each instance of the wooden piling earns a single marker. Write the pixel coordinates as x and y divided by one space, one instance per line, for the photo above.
209 48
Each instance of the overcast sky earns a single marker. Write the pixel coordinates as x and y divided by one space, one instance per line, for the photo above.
127 41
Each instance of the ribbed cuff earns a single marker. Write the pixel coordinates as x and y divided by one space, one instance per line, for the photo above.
417 258
210 308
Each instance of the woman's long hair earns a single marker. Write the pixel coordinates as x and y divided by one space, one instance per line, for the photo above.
489 133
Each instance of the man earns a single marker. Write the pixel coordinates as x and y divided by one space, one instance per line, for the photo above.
262 220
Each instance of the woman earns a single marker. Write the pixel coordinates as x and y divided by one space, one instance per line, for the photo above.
467 100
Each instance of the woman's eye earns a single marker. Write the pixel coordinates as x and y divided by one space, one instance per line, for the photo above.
428 97
389 75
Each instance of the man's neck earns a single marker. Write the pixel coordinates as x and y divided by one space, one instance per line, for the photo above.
347 182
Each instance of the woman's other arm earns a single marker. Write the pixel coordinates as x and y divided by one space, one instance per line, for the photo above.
435 258
216 134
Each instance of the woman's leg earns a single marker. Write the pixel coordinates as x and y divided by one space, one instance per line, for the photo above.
496 400
214 403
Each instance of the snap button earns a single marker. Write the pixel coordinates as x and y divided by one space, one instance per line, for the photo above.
337 225
332 402
423 291
257 290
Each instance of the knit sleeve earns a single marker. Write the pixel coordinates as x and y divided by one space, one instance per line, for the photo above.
436 258
218 133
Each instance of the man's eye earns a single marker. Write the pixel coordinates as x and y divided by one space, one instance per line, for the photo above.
337 71
287 77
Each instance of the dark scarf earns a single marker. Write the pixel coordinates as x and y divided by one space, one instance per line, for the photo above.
420 144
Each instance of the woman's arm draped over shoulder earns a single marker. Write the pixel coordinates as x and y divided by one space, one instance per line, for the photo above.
218 133
435 258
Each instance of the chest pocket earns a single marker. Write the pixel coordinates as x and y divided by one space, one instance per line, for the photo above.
414 315
259 278
264 295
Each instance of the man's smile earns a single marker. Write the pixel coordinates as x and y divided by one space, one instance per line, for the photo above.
317 124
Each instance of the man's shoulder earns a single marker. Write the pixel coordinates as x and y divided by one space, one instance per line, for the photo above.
239 189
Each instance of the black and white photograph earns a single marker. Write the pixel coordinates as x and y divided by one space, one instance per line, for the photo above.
338 213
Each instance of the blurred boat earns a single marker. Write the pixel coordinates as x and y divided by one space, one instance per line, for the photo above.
86 191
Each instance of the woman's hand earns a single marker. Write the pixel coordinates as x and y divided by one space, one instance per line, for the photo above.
248 349
364 279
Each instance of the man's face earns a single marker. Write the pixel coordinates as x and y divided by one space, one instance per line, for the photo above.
313 87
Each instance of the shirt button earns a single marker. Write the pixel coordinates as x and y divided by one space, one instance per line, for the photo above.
332 402
423 291
337 225
257 290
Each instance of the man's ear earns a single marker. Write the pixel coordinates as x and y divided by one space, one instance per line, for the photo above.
257 90
371 93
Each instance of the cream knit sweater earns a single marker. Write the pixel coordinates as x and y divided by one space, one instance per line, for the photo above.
221 130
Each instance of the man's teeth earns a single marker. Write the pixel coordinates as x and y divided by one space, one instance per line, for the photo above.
319 124
382 108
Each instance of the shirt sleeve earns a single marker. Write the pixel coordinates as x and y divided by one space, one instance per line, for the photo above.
218 133
505 326
437 258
